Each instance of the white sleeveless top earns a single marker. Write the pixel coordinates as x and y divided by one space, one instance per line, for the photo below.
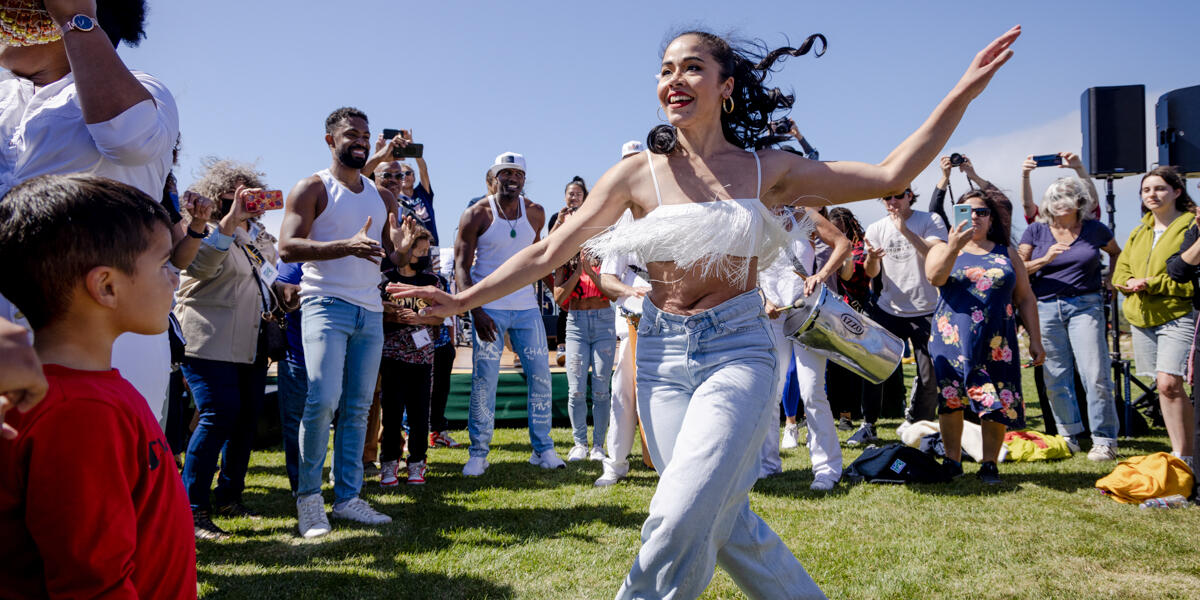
502 239
350 278
699 235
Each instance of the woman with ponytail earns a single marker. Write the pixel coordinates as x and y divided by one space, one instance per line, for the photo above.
703 226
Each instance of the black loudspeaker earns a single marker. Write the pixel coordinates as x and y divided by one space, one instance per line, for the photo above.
1114 130
1177 120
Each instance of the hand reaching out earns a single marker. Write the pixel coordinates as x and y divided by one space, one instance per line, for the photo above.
987 62
362 246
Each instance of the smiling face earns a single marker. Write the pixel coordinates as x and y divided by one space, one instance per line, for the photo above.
350 142
690 84
510 183
1158 195
387 176
574 196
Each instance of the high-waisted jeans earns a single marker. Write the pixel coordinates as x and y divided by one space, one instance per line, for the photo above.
705 396
1073 333
591 344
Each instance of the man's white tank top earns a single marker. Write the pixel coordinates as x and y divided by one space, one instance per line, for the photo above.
350 278
503 239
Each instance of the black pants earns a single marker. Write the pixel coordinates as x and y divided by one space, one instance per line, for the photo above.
847 393
443 364
916 330
406 388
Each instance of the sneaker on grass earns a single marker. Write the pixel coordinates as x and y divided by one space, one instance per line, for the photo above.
1102 452
865 436
236 509
823 483
205 528
611 475
311 512
475 466
988 473
845 424
548 459
1073 445
388 476
416 473
596 453
357 510
578 452
444 439
791 436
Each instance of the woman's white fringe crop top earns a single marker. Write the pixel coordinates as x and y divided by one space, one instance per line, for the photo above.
699 236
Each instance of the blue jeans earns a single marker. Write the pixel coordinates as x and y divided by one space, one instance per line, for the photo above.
343 344
707 396
293 394
591 343
1073 334
528 337
229 397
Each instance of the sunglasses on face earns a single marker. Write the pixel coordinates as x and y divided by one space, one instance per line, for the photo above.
400 175
981 212
899 196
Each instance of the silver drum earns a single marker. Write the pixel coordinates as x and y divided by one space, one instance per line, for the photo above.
825 324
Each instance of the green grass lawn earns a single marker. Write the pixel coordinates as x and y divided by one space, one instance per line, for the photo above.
523 532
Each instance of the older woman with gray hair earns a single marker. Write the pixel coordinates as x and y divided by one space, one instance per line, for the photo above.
1061 250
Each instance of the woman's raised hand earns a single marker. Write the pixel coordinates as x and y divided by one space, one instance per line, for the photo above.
441 304
987 62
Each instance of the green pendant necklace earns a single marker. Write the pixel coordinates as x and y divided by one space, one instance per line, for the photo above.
512 229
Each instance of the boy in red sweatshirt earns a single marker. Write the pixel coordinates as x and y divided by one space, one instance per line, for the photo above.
90 502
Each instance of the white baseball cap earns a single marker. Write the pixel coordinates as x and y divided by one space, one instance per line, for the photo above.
508 160
631 147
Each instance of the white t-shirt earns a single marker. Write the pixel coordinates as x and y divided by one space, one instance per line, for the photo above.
906 291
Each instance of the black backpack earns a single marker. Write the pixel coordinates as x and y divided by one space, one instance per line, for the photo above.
895 463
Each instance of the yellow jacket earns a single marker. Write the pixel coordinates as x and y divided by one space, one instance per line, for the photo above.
1164 299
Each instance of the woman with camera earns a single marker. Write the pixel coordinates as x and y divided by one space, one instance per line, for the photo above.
1158 307
706 365
974 337
1061 251
591 340
223 297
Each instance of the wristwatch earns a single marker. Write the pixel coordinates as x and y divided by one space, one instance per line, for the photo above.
80 22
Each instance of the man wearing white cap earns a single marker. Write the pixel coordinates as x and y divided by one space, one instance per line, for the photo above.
491 231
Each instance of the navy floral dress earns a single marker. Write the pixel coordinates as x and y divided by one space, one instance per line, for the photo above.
974 340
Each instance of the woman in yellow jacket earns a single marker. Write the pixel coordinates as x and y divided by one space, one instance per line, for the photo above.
1159 308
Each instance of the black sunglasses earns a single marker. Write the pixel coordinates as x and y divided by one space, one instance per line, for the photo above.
400 175
900 196
982 212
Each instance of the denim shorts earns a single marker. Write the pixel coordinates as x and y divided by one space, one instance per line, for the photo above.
1164 348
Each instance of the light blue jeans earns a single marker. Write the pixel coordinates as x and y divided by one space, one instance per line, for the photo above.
343 344
1073 334
705 396
591 343
528 337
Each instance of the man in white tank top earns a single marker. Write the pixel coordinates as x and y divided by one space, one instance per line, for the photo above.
334 222
491 231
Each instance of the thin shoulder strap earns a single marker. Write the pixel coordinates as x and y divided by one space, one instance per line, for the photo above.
657 192
758 165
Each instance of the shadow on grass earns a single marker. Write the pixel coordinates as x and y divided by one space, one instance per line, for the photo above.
394 581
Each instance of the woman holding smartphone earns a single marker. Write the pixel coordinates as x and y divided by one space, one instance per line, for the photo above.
974 338
706 366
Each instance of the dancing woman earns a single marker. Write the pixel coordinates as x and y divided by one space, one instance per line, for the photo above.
705 361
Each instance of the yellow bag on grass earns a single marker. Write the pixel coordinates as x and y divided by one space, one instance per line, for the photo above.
1143 477
1034 445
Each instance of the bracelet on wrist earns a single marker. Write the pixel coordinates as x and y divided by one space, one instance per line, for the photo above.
192 233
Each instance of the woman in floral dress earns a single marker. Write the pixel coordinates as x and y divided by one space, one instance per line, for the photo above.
974 342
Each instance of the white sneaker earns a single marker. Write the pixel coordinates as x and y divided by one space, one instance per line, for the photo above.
823 483
597 453
1073 445
611 475
791 437
359 511
1102 452
311 512
387 473
578 452
548 459
475 466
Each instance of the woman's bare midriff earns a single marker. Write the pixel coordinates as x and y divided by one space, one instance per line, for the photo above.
589 303
684 292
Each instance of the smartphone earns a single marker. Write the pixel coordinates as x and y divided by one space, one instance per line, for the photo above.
411 151
1048 160
962 212
260 200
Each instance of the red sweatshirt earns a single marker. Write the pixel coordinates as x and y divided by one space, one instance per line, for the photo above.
91 504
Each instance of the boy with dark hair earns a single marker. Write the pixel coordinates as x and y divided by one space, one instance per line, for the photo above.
85 259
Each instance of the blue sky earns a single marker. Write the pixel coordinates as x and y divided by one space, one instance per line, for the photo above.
565 83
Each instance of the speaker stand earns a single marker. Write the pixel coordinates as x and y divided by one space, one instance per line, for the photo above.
1123 377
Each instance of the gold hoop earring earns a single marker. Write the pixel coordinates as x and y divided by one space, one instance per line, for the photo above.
661 116
728 104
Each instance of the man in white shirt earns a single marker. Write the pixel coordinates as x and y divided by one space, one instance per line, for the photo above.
896 247
71 106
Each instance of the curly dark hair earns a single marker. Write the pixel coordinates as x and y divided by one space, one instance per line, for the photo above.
845 220
122 20
749 64
341 114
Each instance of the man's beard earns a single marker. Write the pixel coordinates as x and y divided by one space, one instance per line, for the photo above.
346 157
